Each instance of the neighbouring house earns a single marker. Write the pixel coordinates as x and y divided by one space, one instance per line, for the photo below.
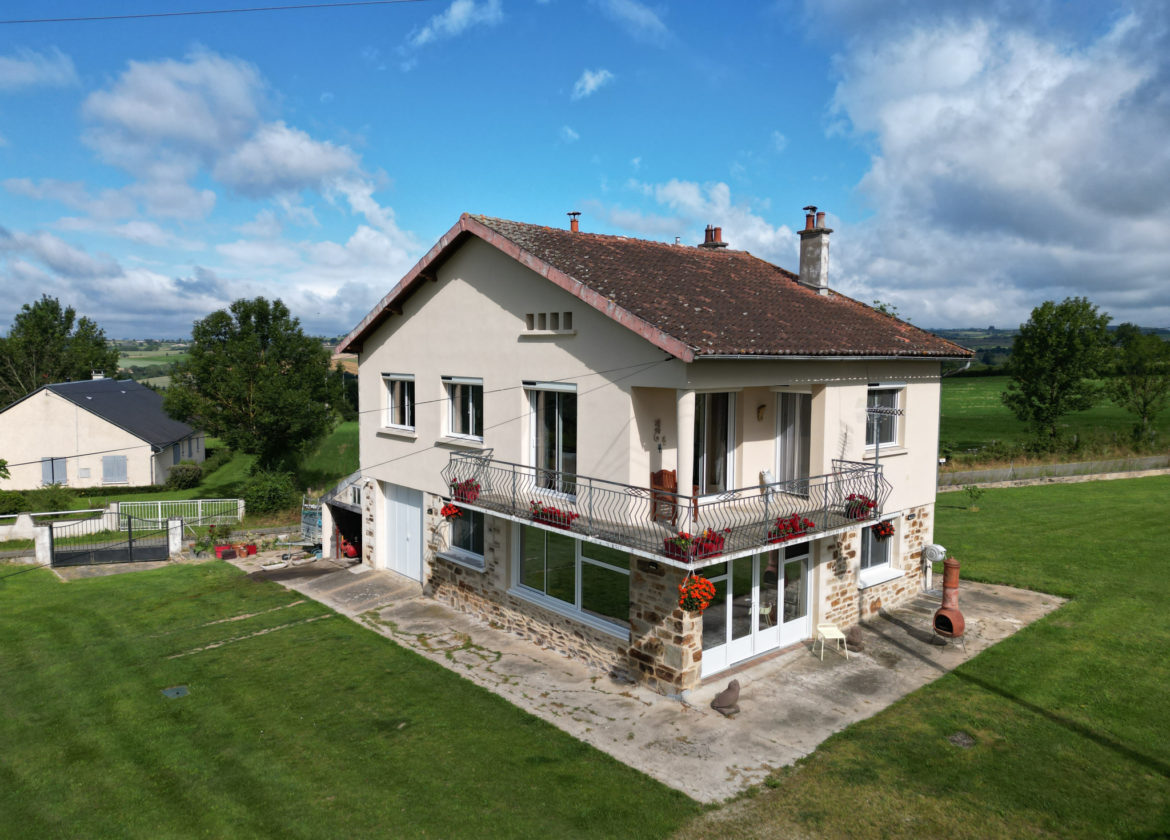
93 432
611 416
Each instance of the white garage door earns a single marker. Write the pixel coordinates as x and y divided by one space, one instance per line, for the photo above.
404 531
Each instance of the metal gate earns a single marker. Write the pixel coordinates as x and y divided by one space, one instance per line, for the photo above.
108 538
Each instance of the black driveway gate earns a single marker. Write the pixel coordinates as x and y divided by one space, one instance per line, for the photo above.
109 538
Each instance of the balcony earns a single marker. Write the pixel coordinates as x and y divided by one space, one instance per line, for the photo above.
648 522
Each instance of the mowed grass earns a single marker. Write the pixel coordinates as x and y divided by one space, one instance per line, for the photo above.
334 458
298 723
146 358
1069 715
973 415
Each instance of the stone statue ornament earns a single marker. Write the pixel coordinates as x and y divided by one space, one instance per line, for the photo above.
726 702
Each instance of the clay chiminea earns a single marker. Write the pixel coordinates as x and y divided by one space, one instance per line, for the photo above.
948 621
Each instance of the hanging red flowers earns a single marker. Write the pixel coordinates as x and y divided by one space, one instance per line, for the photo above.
450 511
883 529
695 594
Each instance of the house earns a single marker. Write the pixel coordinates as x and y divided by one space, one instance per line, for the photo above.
556 386
94 432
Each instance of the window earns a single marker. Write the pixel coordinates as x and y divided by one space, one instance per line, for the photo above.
886 425
714 442
53 471
176 453
114 469
874 552
586 578
467 537
554 435
399 400
793 440
465 401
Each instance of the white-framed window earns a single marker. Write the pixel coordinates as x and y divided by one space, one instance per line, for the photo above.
885 429
399 400
714 442
573 576
114 469
793 436
465 407
554 435
467 532
875 552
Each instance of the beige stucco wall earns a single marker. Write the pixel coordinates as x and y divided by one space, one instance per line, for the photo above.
46 425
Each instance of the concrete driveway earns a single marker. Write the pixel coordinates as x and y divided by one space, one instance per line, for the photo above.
790 702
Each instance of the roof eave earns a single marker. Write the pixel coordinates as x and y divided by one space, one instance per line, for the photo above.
468 226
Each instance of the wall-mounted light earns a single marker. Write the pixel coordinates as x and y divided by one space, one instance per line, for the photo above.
760 412
652 566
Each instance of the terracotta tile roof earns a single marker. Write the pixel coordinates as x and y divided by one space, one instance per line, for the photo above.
691 301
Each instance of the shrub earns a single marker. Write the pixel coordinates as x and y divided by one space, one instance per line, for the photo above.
218 457
184 475
269 491
12 501
52 497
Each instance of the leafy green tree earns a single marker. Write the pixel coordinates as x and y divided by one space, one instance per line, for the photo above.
3 468
1141 377
254 379
47 344
1055 357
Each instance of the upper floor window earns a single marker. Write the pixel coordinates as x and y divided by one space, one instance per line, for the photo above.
554 435
399 400
882 428
465 406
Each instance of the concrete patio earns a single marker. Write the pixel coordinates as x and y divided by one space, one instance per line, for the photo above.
790 701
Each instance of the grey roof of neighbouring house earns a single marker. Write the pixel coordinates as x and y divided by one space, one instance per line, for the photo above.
126 404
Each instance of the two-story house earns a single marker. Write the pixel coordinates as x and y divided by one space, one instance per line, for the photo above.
612 415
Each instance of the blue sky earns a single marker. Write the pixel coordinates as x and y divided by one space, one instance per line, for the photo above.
975 158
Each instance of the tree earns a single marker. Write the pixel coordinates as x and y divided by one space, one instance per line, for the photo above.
1141 382
1054 359
254 379
44 346
4 469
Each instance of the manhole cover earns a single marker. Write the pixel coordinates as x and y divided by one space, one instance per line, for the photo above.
175 691
962 739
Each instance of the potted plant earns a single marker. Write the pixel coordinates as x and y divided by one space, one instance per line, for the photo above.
549 515
220 536
859 506
685 546
790 527
695 594
466 490
883 529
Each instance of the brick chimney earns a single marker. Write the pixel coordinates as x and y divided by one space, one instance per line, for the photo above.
713 238
814 251
573 225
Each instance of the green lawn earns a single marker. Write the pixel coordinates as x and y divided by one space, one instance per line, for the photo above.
973 415
333 459
318 728
1069 715
145 358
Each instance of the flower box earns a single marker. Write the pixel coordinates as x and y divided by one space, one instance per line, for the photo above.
465 491
789 528
548 515
225 552
686 547
859 506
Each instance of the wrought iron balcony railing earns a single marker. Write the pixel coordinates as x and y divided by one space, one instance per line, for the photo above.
652 522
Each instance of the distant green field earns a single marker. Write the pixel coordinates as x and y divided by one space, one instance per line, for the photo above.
143 358
973 415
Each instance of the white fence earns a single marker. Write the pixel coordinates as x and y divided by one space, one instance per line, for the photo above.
195 511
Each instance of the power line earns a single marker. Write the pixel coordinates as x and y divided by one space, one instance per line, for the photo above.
196 12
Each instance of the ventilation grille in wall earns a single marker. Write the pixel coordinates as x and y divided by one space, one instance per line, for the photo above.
560 323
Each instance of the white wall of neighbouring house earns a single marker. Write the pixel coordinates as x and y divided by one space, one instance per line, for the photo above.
46 425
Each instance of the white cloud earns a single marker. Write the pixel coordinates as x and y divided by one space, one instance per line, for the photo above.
460 16
108 204
638 19
1010 168
590 82
58 255
27 68
280 159
779 142
568 135
139 231
264 226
